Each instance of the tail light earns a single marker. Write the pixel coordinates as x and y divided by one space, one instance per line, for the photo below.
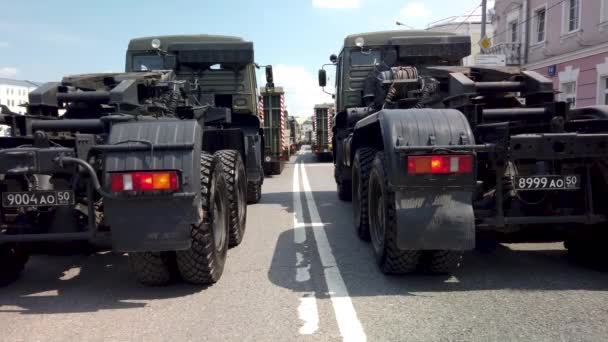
440 164
144 181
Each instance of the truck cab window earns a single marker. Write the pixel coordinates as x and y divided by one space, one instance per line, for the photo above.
147 62
361 58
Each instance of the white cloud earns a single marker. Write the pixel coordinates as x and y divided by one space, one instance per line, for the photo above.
415 10
301 87
4 45
8 72
336 3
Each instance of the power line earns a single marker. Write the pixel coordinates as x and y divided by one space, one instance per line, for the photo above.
532 17
467 18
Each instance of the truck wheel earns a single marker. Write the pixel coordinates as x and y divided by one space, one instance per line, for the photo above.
204 262
153 269
254 192
236 179
383 224
345 187
362 165
12 262
440 262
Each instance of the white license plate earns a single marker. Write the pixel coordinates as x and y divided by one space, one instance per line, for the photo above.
37 198
568 182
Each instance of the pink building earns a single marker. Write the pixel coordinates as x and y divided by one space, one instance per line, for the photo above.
565 40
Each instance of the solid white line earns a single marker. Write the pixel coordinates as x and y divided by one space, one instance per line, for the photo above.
348 322
307 310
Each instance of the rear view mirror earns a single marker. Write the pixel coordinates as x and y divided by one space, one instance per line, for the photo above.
333 58
269 76
322 78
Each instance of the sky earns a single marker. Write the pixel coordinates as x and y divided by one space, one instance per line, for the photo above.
43 40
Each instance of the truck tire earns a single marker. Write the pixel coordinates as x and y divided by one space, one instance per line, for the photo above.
362 165
203 263
153 269
254 192
12 262
236 180
440 262
383 224
344 187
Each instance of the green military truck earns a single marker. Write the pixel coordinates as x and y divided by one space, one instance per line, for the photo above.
435 155
322 133
274 116
157 162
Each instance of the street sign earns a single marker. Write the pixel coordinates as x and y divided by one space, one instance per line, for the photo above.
552 70
485 43
491 60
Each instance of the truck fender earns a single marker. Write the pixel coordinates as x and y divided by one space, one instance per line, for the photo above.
432 214
155 223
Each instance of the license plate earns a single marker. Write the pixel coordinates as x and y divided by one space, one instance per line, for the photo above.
37 198
568 182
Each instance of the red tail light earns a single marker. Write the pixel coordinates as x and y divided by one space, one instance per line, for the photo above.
144 181
439 164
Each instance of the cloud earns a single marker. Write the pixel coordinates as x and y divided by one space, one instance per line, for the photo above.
8 72
4 44
301 87
415 10
336 3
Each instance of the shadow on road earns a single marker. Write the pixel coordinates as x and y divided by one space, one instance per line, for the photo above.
75 284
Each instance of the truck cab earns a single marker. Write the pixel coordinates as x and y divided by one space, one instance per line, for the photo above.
222 72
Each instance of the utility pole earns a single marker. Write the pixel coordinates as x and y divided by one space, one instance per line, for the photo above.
484 9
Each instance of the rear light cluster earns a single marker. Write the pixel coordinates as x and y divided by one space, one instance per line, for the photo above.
144 181
439 164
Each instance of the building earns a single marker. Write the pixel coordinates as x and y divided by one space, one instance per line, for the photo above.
14 93
565 40
463 25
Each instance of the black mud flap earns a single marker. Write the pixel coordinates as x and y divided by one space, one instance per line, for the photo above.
149 222
151 225
432 220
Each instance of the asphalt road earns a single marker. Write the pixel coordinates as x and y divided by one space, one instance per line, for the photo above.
302 274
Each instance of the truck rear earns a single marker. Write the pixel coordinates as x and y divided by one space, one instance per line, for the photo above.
274 129
322 132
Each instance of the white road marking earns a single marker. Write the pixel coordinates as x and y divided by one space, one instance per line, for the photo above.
348 322
307 310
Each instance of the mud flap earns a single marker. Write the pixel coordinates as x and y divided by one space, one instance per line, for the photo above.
151 225
431 220
150 222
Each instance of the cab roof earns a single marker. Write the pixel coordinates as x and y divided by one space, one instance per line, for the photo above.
143 43
381 38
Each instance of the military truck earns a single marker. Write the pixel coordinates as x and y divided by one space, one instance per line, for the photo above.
153 162
294 135
273 99
321 128
434 154
230 86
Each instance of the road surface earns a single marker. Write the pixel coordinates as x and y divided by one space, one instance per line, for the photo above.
302 274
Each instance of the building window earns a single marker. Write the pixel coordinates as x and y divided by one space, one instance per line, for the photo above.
513 31
573 12
540 16
569 93
604 90
604 14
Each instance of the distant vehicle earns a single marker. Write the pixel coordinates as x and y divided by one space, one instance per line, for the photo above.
275 129
306 148
321 133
